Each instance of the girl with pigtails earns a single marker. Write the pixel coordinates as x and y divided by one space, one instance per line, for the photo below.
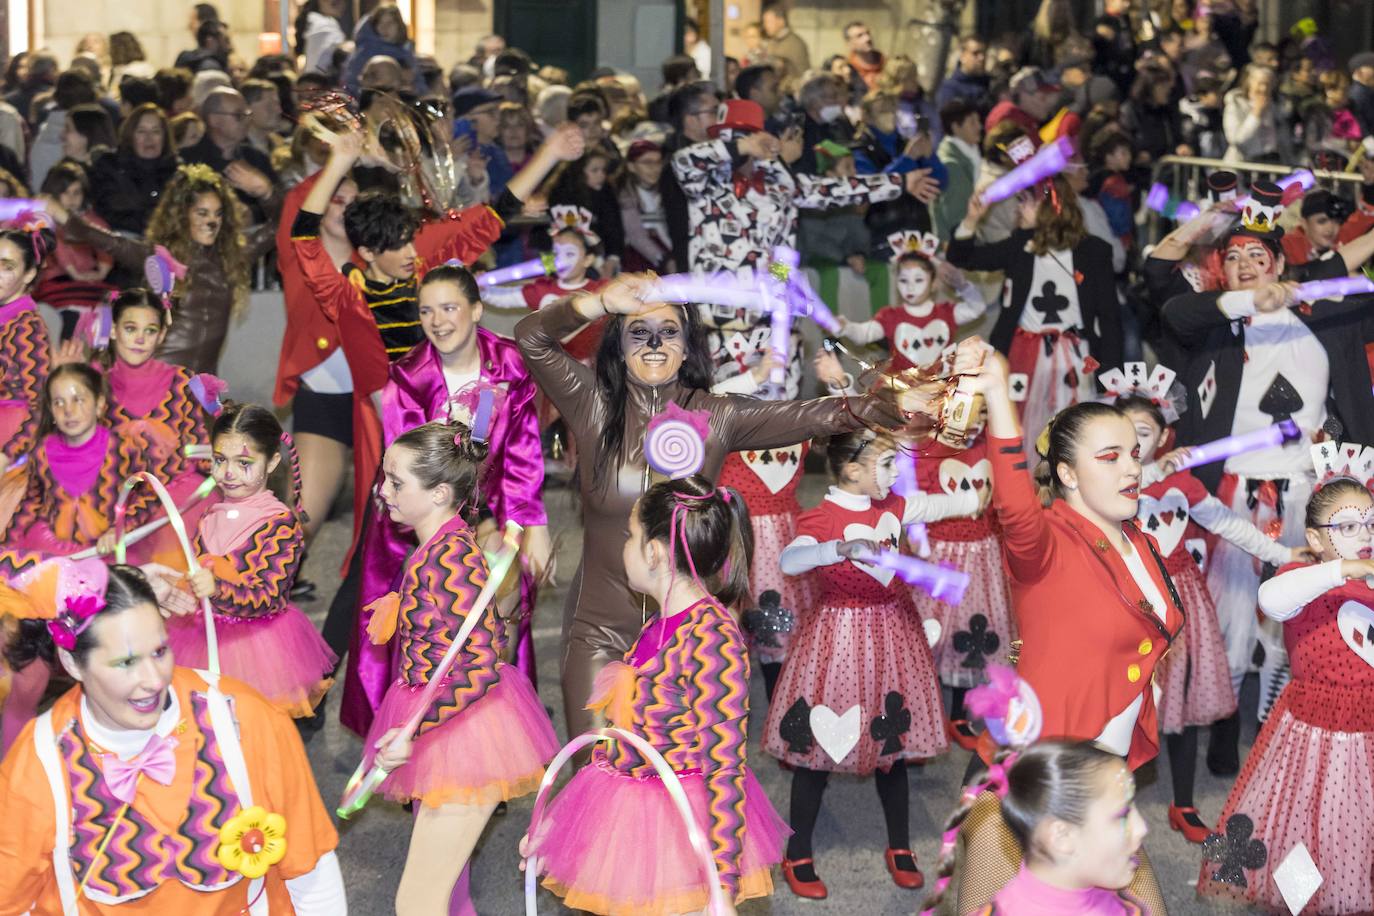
611 841
249 548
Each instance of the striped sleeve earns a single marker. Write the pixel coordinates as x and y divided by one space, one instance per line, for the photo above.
261 570
27 357
451 580
719 673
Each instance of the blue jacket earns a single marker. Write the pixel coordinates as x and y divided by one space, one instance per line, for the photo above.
960 85
367 44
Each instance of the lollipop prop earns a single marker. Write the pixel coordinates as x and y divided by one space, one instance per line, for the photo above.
1280 433
1316 290
365 779
944 583
695 837
179 526
1052 159
546 265
675 441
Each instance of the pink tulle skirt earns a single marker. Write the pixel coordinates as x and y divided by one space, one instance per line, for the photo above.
493 751
614 844
1194 677
281 656
978 630
1305 784
875 658
794 594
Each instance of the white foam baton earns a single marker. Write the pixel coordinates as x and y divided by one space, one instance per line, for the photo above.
717 903
144 530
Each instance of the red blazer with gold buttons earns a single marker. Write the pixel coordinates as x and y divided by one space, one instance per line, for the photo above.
1089 639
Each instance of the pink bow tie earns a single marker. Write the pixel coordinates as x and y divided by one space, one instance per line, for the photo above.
157 761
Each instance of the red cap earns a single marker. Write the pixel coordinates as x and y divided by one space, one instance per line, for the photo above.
738 114
640 147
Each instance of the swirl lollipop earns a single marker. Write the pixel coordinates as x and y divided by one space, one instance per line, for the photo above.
162 271
675 441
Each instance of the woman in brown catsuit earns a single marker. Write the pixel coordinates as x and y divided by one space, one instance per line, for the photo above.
651 355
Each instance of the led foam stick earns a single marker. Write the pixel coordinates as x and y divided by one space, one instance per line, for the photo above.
801 298
779 325
718 289
142 531
11 208
1168 205
1051 159
1316 290
696 838
546 265
944 583
1301 176
1270 436
365 779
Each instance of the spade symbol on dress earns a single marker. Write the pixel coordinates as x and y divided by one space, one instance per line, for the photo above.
795 728
977 642
1235 851
892 724
1281 401
1050 303
769 621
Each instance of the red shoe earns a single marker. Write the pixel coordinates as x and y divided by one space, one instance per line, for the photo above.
909 878
811 890
961 733
1187 822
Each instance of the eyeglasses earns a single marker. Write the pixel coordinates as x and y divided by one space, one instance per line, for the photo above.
1351 529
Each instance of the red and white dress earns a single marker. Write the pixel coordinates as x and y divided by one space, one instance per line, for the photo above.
768 479
1309 778
864 647
980 628
919 334
1179 513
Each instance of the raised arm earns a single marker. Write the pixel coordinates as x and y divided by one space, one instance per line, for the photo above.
1212 514
570 385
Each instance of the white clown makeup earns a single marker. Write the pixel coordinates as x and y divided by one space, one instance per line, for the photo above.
914 284
239 469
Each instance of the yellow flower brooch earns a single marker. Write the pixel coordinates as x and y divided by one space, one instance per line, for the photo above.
252 842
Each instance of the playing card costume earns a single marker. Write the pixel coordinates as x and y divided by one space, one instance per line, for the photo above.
1060 316
1309 778
1244 370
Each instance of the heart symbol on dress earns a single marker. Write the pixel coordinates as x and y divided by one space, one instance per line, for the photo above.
780 468
885 534
1165 519
956 476
836 735
922 345
1357 629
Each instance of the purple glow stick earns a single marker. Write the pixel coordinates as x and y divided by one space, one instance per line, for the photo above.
1052 159
12 208
544 265
1158 198
1316 290
944 583
721 289
1301 176
1279 434
802 299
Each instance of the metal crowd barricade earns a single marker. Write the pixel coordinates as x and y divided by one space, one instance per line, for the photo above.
1184 175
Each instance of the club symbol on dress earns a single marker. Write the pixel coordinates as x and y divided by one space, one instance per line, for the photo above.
795 728
977 642
1050 303
770 621
1235 851
892 724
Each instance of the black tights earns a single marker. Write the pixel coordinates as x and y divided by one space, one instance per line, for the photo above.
809 785
1183 764
771 670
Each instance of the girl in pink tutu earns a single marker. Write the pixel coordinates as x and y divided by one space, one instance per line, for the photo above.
1309 779
863 647
980 629
160 408
249 548
612 841
487 737
1194 678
